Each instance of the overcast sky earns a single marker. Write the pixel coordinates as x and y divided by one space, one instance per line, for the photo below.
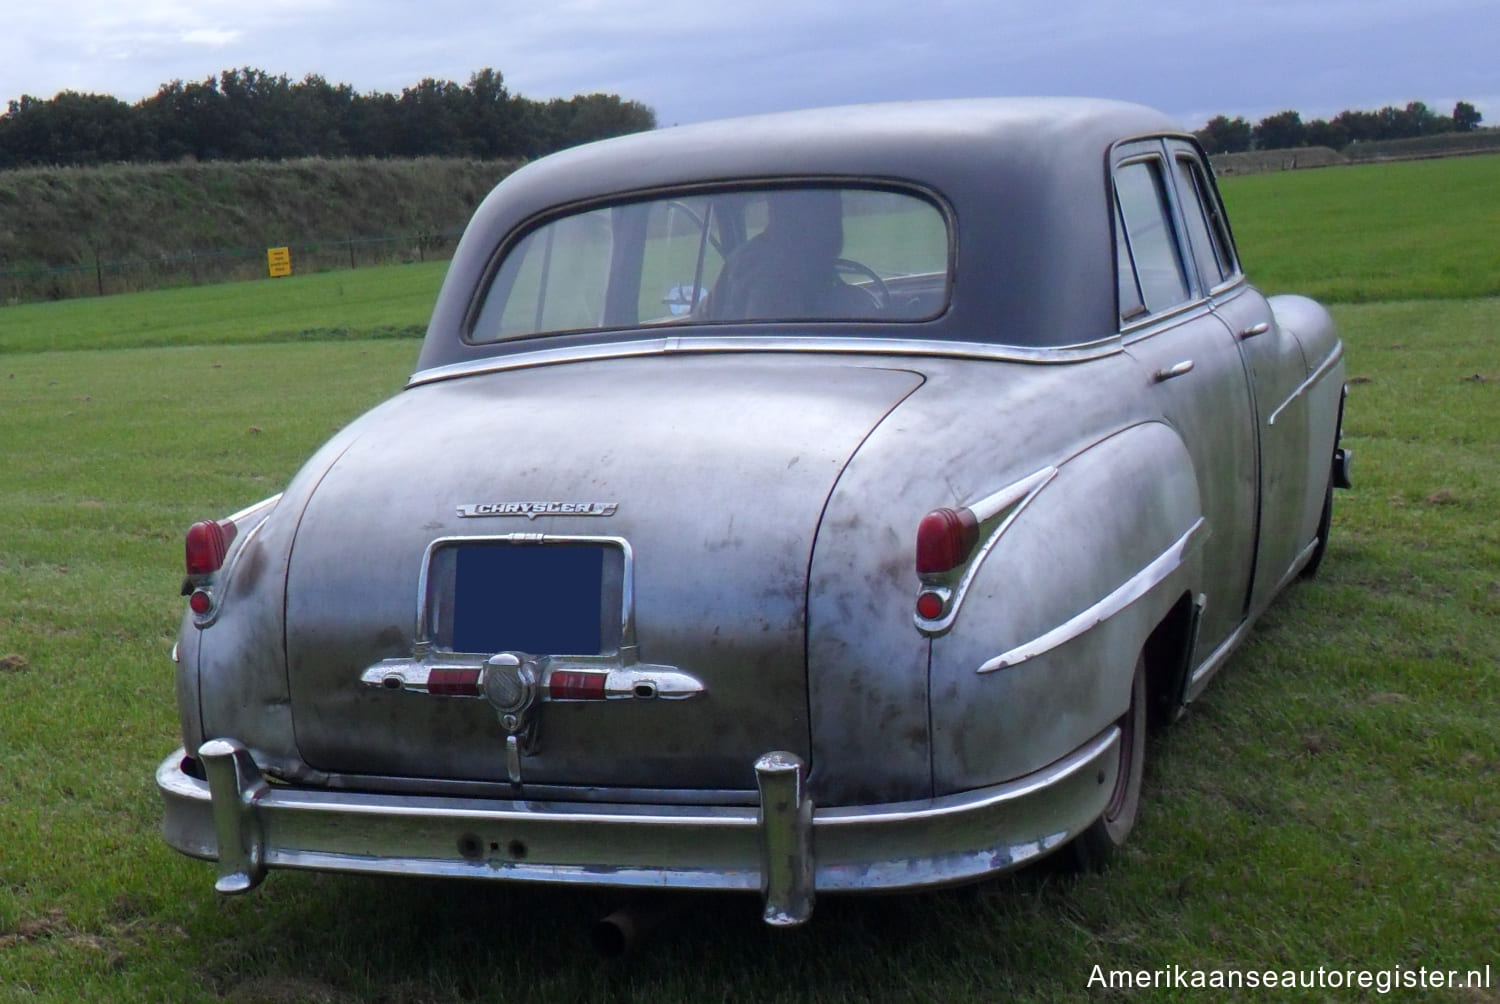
692 60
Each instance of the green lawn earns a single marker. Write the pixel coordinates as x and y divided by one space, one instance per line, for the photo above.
1427 229
1331 801
383 302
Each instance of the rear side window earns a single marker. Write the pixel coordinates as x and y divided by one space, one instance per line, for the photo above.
556 276
808 253
1205 223
1157 278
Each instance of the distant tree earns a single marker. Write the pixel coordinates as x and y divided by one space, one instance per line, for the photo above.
319 119
1360 127
1330 134
588 117
372 125
491 120
1466 117
69 129
246 113
1280 131
1286 129
1416 119
428 119
1225 135
187 120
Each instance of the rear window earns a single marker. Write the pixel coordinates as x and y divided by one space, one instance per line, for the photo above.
774 254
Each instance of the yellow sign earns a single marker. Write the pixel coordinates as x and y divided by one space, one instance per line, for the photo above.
279 262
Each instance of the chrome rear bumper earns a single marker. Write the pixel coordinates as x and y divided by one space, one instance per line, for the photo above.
786 848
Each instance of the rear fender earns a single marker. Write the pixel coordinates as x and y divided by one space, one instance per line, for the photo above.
1041 653
231 666
1312 326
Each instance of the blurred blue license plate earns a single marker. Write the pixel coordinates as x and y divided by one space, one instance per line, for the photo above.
538 599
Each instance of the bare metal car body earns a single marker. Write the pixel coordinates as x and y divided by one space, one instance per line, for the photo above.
698 522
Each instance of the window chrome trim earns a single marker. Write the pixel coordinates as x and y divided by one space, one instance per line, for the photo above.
710 344
1148 327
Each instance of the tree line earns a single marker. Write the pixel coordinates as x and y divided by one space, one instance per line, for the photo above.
248 114
1286 130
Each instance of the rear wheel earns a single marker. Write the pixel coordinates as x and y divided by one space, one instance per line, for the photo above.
1093 848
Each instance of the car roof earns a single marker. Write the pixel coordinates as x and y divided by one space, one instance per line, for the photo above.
1026 179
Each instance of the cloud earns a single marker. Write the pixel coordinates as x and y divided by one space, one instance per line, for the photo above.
698 59
215 37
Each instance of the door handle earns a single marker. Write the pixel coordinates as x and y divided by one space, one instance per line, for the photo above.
1175 370
1255 329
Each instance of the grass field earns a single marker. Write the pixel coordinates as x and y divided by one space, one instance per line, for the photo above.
388 302
1417 230
1330 802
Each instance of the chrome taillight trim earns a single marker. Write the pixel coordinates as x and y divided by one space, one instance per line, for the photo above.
1008 502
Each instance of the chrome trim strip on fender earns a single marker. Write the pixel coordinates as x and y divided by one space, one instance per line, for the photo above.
744 343
251 510
1128 592
1302 388
1022 492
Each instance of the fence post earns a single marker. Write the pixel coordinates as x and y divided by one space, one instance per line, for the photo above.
351 252
98 274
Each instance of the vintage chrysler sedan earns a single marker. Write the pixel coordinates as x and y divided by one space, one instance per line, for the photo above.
807 503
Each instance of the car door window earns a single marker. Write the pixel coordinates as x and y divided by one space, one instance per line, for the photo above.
1205 222
1150 236
1132 303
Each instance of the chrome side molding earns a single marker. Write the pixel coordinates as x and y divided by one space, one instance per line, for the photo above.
1124 595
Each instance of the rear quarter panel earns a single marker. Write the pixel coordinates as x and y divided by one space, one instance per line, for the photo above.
1111 511
972 429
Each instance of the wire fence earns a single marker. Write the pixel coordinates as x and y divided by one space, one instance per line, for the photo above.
103 278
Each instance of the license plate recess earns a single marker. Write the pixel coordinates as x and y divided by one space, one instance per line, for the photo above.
536 594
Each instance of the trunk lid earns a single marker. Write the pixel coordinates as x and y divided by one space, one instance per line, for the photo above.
714 471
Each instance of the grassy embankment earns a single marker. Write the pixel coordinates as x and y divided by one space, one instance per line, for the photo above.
67 232
1330 802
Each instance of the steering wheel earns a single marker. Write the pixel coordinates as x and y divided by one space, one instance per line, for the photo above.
876 290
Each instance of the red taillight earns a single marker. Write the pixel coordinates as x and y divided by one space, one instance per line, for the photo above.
567 685
454 682
207 543
201 602
945 537
930 606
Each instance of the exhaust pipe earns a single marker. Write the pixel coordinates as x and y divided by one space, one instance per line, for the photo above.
627 928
